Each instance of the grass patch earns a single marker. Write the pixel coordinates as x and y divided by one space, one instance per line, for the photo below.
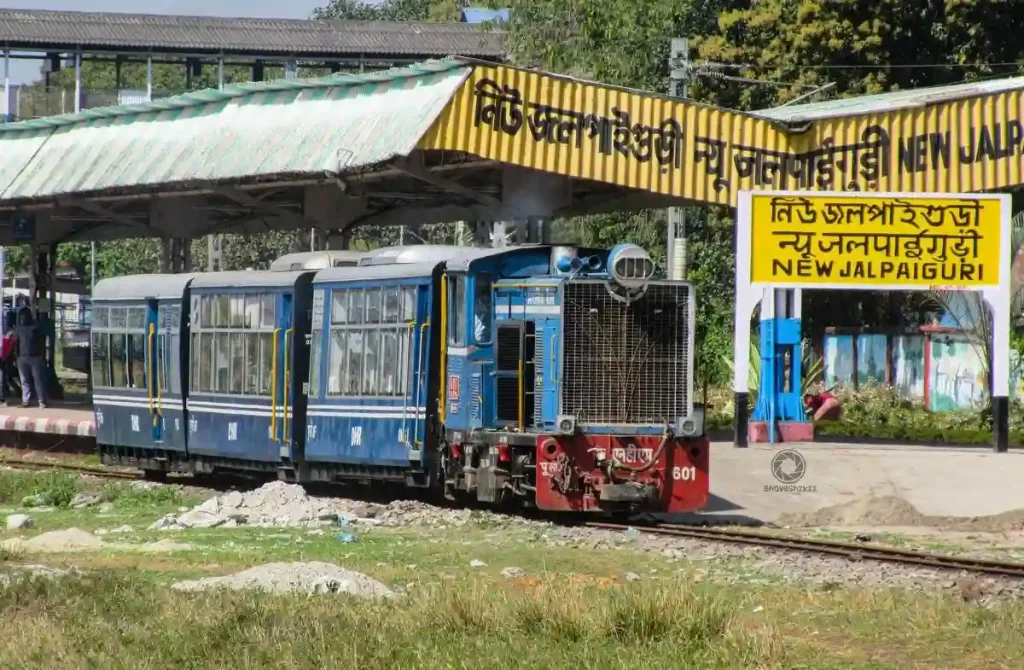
51 488
135 623
126 497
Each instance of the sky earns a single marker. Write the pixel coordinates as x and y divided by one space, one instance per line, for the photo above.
24 71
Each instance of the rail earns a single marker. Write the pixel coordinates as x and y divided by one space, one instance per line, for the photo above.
845 549
107 473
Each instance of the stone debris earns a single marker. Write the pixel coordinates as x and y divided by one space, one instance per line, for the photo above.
56 541
19 521
161 546
289 505
513 573
85 500
632 576
31 572
475 563
314 577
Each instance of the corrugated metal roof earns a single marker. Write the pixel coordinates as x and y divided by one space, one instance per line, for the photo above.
246 279
888 102
18 149
141 287
325 38
375 272
288 127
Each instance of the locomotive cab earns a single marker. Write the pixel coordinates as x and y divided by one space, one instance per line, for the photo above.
568 377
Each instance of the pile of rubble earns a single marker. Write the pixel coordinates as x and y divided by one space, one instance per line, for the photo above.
282 504
313 577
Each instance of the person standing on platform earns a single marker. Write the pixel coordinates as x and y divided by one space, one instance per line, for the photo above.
31 345
8 367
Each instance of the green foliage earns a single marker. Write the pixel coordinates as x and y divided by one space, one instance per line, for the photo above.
390 10
882 412
862 47
126 497
52 489
811 367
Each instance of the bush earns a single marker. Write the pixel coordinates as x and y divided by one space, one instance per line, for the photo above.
882 412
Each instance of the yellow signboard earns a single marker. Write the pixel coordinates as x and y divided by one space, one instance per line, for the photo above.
837 240
679 148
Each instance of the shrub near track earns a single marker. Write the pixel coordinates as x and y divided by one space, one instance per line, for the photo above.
881 412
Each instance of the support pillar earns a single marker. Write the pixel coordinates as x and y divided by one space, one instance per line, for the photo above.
7 86
174 255
214 242
78 82
214 248
149 79
780 394
41 301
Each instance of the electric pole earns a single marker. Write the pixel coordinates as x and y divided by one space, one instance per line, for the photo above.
675 235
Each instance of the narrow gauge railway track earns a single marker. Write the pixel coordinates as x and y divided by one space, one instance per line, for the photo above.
95 471
848 550
845 549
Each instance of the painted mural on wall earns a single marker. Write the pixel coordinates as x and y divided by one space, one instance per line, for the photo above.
908 365
837 364
872 358
957 374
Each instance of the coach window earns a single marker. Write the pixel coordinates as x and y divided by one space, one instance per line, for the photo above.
482 312
232 349
163 338
457 310
173 369
118 347
99 341
370 339
138 343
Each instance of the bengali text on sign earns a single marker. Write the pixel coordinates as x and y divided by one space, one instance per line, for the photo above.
836 240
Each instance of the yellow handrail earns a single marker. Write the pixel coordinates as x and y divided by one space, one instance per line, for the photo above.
149 377
159 386
273 388
419 380
284 425
443 334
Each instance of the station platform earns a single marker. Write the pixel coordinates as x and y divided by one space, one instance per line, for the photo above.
755 485
72 417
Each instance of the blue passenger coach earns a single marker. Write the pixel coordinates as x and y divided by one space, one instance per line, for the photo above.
249 360
369 389
137 364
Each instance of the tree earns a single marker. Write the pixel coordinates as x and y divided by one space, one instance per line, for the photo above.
390 10
862 47
625 44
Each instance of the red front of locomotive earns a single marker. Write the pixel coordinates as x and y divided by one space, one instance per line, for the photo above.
628 437
608 473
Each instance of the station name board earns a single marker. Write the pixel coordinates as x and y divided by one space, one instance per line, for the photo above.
834 240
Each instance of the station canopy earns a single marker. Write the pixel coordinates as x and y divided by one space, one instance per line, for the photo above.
464 140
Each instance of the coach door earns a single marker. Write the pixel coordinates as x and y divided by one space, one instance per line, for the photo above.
154 368
281 391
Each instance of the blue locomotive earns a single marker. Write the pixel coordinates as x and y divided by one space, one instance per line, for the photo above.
551 376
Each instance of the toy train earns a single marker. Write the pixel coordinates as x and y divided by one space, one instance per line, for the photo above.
548 376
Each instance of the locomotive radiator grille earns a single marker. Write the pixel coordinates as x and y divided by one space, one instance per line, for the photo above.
627 363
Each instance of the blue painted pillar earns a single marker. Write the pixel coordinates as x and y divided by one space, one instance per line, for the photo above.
780 351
